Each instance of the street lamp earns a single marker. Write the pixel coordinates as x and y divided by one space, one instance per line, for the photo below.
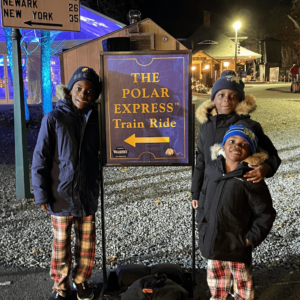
236 26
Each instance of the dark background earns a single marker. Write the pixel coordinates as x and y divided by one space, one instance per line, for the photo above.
181 17
260 19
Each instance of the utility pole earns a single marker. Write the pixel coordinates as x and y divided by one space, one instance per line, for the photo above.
235 52
236 26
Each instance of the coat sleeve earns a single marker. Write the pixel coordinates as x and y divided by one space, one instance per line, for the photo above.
42 162
198 175
265 143
260 201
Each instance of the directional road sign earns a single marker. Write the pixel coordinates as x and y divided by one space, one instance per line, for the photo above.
41 14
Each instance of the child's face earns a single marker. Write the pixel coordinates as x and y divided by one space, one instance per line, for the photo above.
226 101
83 93
236 149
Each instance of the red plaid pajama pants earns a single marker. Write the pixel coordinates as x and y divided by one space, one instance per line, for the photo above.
221 273
61 261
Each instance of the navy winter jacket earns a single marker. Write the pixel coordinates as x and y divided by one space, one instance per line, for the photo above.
231 210
65 166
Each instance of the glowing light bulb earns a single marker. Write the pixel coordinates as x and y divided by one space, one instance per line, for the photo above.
237 25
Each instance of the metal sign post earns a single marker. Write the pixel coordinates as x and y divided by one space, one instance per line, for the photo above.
21 154
145 119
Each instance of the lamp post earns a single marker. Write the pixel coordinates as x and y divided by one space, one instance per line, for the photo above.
193 69
236 26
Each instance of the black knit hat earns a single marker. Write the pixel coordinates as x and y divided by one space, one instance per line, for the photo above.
86 74
228 81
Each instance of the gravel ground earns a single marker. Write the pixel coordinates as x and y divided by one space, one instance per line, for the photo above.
148 209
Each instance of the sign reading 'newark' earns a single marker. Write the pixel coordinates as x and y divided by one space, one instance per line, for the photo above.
147 104
41 14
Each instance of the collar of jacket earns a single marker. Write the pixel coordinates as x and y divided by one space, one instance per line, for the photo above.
241 169
208 109
70 109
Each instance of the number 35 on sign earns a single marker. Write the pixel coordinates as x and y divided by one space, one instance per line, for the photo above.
73 8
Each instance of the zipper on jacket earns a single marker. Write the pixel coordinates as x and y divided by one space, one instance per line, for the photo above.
82 131
217 211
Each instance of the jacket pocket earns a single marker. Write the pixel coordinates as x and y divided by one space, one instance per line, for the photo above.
65 186
203 193
229 241
202 224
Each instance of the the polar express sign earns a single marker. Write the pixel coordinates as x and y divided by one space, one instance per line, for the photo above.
146 118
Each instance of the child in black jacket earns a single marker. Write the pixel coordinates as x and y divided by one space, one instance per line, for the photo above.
234 215
228 106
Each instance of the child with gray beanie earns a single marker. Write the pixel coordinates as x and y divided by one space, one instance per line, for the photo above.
228 106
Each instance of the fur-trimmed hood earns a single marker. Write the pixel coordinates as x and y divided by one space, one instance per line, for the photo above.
62 92
256 159
243 108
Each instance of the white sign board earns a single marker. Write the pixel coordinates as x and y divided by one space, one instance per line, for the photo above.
62 15
274 74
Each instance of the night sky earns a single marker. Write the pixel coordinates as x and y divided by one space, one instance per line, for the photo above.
182 17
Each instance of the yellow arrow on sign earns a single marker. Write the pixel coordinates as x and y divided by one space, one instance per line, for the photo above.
132 140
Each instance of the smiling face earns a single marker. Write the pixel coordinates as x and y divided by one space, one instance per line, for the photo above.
82 93
226 101
236 149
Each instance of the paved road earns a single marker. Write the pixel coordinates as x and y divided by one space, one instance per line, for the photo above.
271 283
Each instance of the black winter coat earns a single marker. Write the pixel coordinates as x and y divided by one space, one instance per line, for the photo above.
212 130
65 166
231 210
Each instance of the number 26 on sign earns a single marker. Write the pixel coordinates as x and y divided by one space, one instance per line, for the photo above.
73 8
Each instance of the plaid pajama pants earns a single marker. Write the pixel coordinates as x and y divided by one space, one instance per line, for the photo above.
85 232
221 273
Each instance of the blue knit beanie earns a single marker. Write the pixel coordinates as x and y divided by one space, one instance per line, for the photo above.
246 133
228 81
86 74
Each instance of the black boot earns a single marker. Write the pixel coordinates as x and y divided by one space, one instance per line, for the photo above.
84 292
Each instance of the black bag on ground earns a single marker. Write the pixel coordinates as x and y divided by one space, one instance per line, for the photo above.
155 288
172 271
128 274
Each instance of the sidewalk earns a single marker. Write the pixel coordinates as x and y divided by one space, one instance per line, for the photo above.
270 284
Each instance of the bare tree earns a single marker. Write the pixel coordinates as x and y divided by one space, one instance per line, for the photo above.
282 25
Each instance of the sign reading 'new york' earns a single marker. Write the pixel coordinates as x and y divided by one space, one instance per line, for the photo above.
41 14
147 108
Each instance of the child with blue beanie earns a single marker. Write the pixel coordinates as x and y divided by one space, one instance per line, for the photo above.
228 106
65 173
234 215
